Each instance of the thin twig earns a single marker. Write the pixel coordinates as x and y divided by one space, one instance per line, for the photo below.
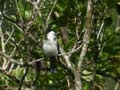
118 24
10 59
10 35
47 21
3 46
62 54
13 22
12 65
18 11
34 61
67 59
23 77
34 14
71 52
100 30
117 85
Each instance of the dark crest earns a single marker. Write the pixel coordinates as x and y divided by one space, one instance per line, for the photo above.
48 29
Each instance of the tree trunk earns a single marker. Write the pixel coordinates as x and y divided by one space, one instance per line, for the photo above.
86 40
78 82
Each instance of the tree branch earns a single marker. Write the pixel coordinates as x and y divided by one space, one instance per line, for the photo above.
23 77
10 59
67 59
86 37
47 21
86 40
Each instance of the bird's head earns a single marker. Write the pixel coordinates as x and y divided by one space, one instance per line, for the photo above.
50 35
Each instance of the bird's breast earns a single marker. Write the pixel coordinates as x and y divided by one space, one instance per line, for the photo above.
50 48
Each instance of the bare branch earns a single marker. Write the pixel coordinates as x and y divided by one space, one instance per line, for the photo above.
10 35
71 52
100 30
3 47
10 59
86 40
77 29
86 37
117 85
47 21
67 59
13 22
34 61
118 24
12 65
34 13
18 11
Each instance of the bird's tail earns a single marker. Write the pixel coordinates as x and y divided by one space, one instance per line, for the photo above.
53 66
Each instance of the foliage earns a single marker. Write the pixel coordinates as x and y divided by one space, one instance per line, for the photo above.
22 29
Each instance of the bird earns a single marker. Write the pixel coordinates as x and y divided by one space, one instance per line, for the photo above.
50 48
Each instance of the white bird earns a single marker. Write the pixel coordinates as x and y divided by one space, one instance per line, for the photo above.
50 48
